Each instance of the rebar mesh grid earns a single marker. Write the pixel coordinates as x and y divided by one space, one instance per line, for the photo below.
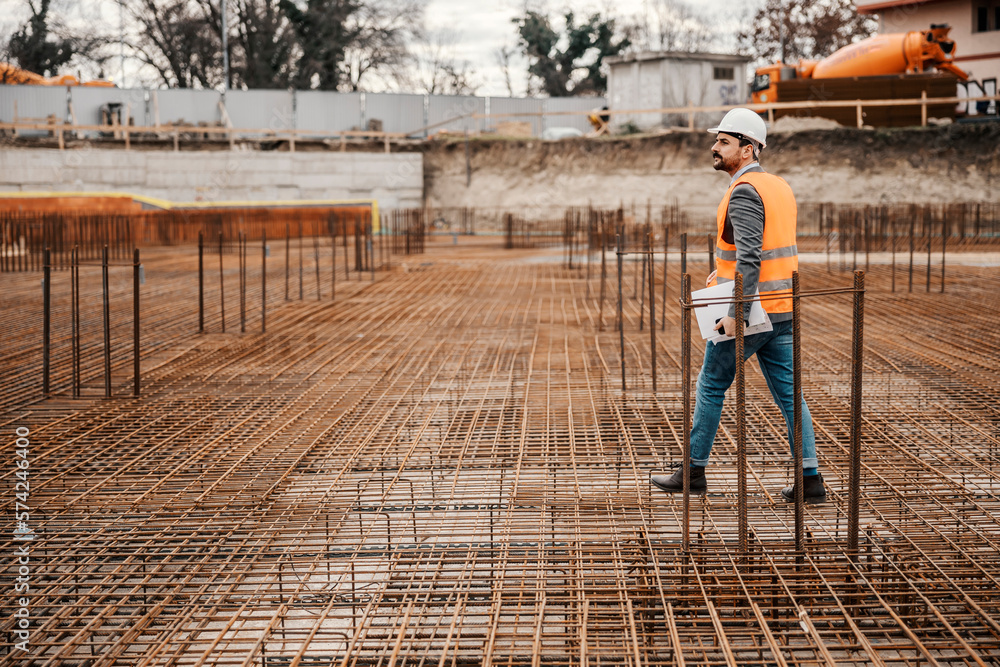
440 468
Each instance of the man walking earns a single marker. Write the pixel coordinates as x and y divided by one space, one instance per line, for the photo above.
755 237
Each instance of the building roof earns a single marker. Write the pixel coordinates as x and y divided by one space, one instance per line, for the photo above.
676 55
875 6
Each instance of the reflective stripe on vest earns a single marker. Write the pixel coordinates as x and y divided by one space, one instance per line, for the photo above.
779 253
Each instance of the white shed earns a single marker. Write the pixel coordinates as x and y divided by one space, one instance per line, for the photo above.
657 80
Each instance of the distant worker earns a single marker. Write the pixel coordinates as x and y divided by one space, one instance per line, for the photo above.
756 237
599 120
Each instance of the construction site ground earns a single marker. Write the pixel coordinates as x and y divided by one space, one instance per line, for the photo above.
439 467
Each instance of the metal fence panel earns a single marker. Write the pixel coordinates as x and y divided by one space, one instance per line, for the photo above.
499 106
32 104
260 109
87 103
398 112
327 112
184 106
449 110
579 121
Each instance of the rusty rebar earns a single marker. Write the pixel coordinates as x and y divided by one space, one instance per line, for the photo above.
797 413
686 417
857 378
106 321
201 282
75 318
652 309
663 303
464 482
263 282
741 432
222 289
46 321
619 252
136 268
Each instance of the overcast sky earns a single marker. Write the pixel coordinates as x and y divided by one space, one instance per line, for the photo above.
479 28
485 25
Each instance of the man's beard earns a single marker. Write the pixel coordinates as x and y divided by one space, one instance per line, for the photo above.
721 164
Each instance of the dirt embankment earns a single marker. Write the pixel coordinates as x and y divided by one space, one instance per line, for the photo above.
945 164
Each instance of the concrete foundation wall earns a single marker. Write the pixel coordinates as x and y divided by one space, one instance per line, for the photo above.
394 179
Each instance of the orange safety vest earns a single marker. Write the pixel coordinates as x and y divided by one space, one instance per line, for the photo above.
779 256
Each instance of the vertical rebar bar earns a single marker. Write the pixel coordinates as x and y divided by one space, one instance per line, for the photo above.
663 304
371 248
741 434
106 311
333 261
46 318
912 225
319 289
797 411
930 237
684 248
604 276
241 241
621 319
857 370
263 281
75 317
590 247
135 320
642 298
686 393
222 289
652 309
201 282
892 236
288 245
635 273
301 265
347 262
944 243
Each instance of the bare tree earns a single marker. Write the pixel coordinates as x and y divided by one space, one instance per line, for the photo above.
438 70
789 30
503 55
327 44
672 25
176 38
382 30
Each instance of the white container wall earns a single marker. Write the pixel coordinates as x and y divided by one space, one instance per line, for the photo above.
323 112
327 112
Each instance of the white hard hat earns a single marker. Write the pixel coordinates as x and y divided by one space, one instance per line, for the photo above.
745 122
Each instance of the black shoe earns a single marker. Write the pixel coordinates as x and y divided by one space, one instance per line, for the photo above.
813 491
675 483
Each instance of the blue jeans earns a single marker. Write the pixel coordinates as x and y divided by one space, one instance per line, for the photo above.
774 353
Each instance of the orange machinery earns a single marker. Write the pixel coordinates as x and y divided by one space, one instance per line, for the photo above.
913 52
12 74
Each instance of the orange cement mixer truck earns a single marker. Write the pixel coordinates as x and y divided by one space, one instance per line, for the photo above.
909 53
